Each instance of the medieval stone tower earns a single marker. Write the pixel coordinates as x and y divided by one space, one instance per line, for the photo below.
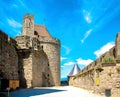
28 25
38 55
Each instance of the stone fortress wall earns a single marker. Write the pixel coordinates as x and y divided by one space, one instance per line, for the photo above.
103 74
47 49
35 56
8 57
33 63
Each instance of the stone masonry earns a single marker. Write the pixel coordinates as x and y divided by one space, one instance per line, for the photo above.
8 57
33 58
103 74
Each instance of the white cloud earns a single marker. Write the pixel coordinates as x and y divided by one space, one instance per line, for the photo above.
67 49
62 58
14 23
62 66
22 3
87 16
86 35
69 63
104 49
64 76
84 62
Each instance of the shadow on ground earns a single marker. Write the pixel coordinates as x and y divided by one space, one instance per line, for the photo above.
32 92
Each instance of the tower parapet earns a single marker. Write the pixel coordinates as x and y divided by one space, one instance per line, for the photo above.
50 40
26 42
28 25
23 42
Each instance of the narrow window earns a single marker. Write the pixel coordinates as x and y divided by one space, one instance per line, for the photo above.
35 33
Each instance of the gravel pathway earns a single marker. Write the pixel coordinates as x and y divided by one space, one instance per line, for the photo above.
66 91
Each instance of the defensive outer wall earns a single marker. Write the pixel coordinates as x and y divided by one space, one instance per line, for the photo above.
102 75
8 57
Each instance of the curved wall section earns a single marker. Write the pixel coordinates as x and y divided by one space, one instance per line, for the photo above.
51 47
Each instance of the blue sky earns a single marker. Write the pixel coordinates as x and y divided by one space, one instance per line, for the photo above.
86 28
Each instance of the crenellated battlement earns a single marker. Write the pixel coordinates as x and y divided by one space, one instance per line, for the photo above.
101 74
23 42
8 57
5 38
49 40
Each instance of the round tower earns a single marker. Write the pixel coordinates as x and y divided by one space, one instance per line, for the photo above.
51 47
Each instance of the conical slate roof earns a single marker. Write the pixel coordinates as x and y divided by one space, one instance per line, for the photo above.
74 70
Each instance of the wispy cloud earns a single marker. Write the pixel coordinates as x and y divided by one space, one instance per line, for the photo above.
79 61
62 66
15 5
64 76
13 23
23 4
87 16
99 16
18 33
83 61
104 49
86 35
66 68
69 63
67 50
62 58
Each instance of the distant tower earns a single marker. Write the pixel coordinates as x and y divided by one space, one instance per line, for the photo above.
74 70
28 25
